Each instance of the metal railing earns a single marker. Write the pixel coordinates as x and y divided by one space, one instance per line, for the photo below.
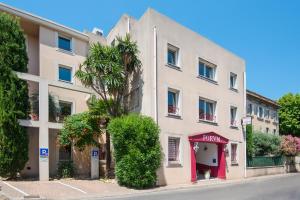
265 161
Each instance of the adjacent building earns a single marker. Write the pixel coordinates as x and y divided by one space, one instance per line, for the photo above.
193 88
264 113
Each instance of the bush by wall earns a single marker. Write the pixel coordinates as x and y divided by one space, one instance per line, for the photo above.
249 139
137 150
65 169
289 145
266 144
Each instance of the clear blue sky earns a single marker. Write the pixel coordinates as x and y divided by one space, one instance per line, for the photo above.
266 33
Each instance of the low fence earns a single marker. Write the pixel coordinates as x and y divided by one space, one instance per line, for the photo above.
264 161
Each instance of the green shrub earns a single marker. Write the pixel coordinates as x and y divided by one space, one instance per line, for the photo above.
266 144
65 169
137 150
249 135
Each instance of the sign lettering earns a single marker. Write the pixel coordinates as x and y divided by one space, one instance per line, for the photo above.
211 138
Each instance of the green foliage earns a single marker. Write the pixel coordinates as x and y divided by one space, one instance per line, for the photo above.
14 103
266 144
137 150
80 130
249 135
289 114
65 169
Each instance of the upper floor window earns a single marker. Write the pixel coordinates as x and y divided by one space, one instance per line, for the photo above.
64 43
65 74
173 102
233 78
260 112
65 110
233 116
207 70
207 110
173 54
173 149
267 113
250 109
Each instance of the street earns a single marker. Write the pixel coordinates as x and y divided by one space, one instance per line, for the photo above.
278 188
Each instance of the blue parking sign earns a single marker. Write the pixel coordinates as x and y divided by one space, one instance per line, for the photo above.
95 153
44 152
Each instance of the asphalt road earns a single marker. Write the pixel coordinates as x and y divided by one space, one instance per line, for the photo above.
277 188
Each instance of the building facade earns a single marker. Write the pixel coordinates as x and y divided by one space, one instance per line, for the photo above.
195 91
193 88
264 113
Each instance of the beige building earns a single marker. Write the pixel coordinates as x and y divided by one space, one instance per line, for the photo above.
264 113
193 88
54 52
195 91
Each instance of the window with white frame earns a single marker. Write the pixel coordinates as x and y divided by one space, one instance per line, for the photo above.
233 82
64 43
207 110
206 70
234 153
173 55
255 109
267 113
250 109
260 112
233 116
173 149
173 102
65 73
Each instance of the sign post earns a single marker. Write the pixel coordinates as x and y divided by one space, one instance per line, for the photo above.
95 163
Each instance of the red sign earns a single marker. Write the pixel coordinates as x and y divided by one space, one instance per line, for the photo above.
210 137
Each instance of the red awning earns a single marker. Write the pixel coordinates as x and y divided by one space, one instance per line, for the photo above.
210 137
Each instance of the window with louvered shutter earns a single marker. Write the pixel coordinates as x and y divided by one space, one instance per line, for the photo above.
173 149
233 153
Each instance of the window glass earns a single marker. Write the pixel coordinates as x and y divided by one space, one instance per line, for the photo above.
209 111
65 74
206 110
233 80
172 102
201 69
171 57
64 43
250 109
173 149
267 130
65 110
260 112
209 72
233 116
201 109
233 153
206 70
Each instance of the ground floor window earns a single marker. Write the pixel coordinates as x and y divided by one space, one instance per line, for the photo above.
234 153
173 150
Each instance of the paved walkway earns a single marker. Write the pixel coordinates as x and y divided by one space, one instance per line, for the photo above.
91 189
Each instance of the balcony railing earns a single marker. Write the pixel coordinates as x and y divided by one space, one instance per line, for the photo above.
207 117
173 110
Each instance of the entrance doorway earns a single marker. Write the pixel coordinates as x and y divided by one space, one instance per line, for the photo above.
207 156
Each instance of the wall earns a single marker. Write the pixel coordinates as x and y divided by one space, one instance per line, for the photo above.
206 157
263 171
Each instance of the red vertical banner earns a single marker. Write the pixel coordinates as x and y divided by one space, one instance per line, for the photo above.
193 163
222 162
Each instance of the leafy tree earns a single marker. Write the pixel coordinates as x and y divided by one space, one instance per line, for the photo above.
137 150
266 144
249 135
289 114
289 145
107 70
14 103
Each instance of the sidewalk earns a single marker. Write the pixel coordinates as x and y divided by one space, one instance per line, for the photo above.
90 189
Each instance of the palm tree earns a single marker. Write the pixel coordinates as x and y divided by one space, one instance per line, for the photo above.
107 70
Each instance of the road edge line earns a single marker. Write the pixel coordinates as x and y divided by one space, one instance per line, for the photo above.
70 186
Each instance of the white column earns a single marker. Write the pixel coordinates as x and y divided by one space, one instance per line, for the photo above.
43 131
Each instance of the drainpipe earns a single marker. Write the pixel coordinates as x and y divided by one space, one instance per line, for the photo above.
155 73
244 128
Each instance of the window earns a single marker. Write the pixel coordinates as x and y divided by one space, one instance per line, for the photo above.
255 109
64 153
206 70
65 74
234 154
275 116
267 130
64 43
267 114
173 149
250 109
65 109
233 121
173 55
173 97
274 131
260 112
207 110
233 78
